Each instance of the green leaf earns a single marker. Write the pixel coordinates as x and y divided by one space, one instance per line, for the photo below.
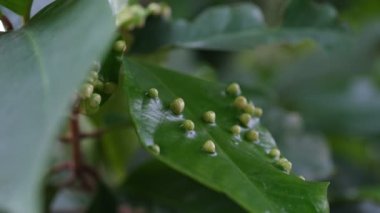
119 141
169 189
308 13
21 7
228 28
240 169
41 67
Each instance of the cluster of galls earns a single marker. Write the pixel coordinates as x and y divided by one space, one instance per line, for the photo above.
249 111
133 16
89 93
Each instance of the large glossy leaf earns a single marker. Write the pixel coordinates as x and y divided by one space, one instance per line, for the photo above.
230 28
21 7
41 66
168 189
240 169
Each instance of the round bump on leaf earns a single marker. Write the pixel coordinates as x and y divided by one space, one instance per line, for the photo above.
245 118
120 46
233 89
177 106
86 90
302 177
249 108
95 100
153 93
209 117
235 129
166 11
252 135
240 102
154 8
94 74
285 164
274 153
155 149
258 112
188 125
209 146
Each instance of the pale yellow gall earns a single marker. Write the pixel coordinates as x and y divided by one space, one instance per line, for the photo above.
177 106
188 125
95 100
235 129
274 153
245 118
209 146
209 117
252 135
233 89
240 102
153 93
86 90
285 164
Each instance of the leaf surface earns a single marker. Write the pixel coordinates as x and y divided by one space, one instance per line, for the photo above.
240 169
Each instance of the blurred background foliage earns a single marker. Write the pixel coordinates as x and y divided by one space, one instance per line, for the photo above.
321 102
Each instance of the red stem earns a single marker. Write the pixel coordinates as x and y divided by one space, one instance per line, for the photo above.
75 140
7 24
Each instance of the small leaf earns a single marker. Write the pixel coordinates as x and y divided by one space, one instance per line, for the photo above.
239 168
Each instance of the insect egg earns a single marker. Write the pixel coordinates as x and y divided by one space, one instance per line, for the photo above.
153 93
245 118
233 89
209 117
188 125
177 106
252 135
209 146
240 102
